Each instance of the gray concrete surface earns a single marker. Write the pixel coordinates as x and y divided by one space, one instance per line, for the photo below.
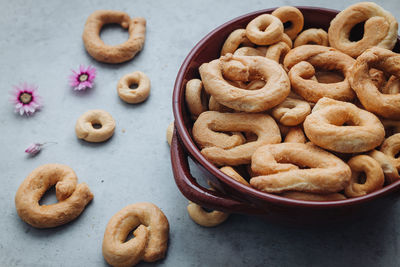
40 43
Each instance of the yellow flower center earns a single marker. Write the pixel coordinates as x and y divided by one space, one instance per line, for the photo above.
25 98
83 77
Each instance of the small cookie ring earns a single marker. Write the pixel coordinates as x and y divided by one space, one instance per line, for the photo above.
85 126
134 96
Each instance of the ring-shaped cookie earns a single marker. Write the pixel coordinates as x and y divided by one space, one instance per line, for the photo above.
312 37
133 96
295 135
380 28
277 52
275 90
277 167
325 127
372 99
374 176
264 30
248 51
235 39
291 112
213 122
231 172
302 61
204 218
117 53
292 15
85 126
391 147
72 197
151 235
387 164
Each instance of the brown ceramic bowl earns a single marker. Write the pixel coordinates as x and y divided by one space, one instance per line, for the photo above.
235 197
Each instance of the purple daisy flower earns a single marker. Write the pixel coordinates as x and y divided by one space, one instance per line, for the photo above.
83 79
26 99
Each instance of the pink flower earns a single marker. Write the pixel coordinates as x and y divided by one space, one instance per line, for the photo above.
34 148
83 79
26 99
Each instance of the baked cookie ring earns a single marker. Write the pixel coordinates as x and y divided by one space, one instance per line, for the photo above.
277 52
387 164
231 172
277 167
291 112
204 218
380 28
312 37
72 197
314 197
391 147
372 99
151 235
293 16
374 176
302 61
133 96
275 90
261 124
264 30
118 53
235 39
85 126
325 127
248 51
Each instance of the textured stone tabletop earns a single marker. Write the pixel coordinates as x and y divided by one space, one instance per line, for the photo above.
40 43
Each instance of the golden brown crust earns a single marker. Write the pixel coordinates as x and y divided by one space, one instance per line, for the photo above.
72 198
235 39
293 15
295 135
277 167
133 96
390 147
277 52
204 218
291 112
312 37
151 236
380 28
118 53
194 96
211 121
248 51
84 126
302 61
374 176
275 90
272 33
372 99
387 164
324 127
231 172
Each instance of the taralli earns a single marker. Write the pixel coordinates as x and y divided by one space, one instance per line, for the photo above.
387 164
234 175
118 53
391 127
374 176
261 124
170 132
277 52
325 127
264 30
291 112
133 96
302 61
248 51
72 197
204 218
235 39
392 86
292 15
151 235
286 39
391 147
275 90
380 28
278 168
313 197
372 99
195 98
213 105
85 126
312 37
295 135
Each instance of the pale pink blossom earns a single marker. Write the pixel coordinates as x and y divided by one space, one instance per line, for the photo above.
82 79
25 98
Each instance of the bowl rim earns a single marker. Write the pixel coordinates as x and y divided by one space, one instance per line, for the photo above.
194 152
